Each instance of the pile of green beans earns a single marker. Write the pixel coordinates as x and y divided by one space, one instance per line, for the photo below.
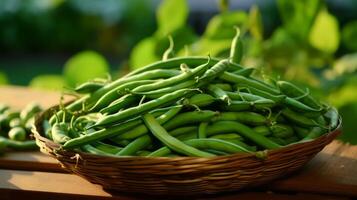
15 127
189 106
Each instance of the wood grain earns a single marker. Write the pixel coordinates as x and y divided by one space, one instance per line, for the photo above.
30 161
19 97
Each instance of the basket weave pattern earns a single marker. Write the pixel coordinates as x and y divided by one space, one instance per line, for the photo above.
183 175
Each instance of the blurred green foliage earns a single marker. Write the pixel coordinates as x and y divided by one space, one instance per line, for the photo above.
3 78
48 82
109 26
171 19
85 66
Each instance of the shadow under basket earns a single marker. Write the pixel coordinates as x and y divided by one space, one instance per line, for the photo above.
182 175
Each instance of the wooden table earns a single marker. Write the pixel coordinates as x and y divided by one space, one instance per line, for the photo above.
332 174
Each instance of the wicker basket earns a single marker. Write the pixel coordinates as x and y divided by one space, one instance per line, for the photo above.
182 175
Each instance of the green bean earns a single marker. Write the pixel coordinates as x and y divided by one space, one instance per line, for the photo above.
219 93
187 136
293 91
237 106
223 86
17 134
216 144
183 130
117 105
163 91
190 118
243 96
246 105
321 120
136 145
314 133
250 118
199 100
60 133
101 134
110 149
91 99
173 80
238 142
89 87
291 139
279 141
143 153
236 52
213 72
301 132
133 111
277 98
298 106
91 149
244 81
29 111
116 93
47 129
281 131
205 143
202 128
244 72
162 152
16 122
332 114
174 62
245 131
18 145
161 134
169 53
3 108
142 129
216 152
263 130
228 136
298 119
105 133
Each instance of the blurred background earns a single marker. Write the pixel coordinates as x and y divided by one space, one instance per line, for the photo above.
48 44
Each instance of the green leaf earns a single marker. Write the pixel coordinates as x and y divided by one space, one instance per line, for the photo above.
256 23
223 5
143 53
346 64
85 66
346 94
349 128
182 36
171 15
222 26
48 82
325 35
349 35
298 16
3 78
207 46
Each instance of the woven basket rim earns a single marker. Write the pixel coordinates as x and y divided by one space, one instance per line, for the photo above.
57 149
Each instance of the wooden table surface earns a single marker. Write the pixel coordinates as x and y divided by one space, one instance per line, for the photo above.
332 174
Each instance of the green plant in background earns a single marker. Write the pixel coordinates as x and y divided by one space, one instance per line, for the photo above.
48 82
85 66
80 68
3 78
171 18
